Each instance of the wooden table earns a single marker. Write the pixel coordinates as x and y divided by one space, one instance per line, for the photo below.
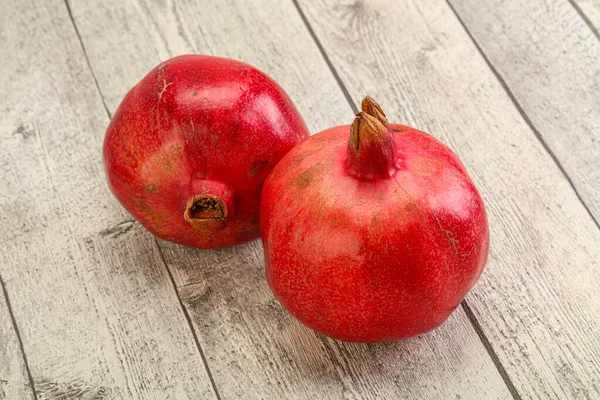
93 307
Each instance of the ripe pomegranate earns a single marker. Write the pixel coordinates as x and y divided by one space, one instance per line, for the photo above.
373 238
190 146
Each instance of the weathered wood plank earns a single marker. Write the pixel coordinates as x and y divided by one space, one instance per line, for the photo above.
537 301
96 308
14 380
249 336
125 40
590 10
254 348
550 61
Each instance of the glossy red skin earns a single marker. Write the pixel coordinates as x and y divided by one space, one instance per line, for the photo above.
193 123
372 260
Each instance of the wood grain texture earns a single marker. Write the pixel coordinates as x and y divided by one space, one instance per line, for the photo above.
257 350
537 300
550 61
14 380
96 308
254 348
125 40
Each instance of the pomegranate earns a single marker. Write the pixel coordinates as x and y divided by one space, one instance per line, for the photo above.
190 146
372 232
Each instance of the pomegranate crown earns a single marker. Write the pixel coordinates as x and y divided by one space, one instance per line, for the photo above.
371 146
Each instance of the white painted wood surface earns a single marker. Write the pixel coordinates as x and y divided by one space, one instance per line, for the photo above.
14 380
553 70
254 348
591 12
97 312
538 300
102 310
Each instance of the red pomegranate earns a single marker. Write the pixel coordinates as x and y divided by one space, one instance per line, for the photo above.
190 146
373 238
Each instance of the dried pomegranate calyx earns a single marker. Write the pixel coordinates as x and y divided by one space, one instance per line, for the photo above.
206 213
206 207
209 206
371 107
366 127
371 146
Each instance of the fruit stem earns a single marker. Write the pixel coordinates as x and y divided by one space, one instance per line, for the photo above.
371 147
208 209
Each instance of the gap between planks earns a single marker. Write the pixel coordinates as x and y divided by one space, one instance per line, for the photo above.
525 117
472 318
160 252
188 319
474 322
18 335
585 18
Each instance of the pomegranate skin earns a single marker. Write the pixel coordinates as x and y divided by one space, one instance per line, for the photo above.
190 146
377 259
